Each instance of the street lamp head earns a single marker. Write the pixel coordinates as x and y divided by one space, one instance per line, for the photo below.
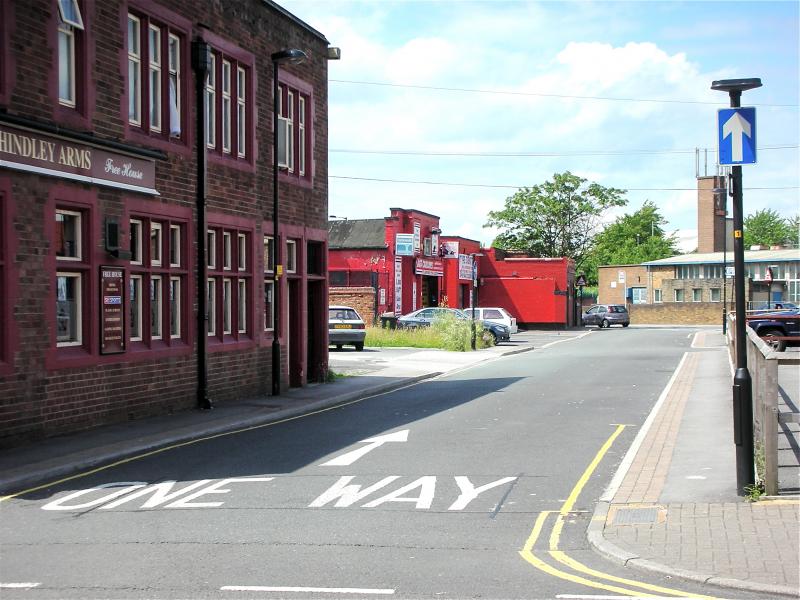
290 56
736 85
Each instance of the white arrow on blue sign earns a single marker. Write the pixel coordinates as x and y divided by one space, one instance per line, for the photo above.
736 135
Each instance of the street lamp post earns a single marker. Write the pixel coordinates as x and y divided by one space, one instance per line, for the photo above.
288 56
474 296
742 383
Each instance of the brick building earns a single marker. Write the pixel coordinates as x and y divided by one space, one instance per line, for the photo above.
137 261
403 262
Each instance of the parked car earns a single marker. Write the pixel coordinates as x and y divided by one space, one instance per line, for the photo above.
780 305
491 314
345 326
424 317
774 325
606 315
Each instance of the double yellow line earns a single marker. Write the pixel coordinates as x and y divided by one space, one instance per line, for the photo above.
561 557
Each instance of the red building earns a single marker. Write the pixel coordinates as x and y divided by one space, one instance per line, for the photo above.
402 262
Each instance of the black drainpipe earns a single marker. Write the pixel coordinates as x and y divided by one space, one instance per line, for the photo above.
201 62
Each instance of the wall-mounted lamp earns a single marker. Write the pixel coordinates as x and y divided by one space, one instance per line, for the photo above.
334 53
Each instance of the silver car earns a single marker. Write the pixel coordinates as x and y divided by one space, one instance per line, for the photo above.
606 315
345 326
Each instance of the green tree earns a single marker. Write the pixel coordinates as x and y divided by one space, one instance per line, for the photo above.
794 233
767 228
557 218
631 239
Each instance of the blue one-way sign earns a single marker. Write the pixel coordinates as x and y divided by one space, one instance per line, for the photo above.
736 135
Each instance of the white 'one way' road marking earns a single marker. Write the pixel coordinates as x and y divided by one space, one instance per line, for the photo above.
350 457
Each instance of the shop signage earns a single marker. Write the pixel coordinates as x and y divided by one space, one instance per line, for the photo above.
404 244
435 244
398 286
429 266
112 310
464 266
416 237
449 249
36 152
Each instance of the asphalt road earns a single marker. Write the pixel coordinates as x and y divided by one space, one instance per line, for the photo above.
446 489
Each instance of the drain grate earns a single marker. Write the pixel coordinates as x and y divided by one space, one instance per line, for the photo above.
634 516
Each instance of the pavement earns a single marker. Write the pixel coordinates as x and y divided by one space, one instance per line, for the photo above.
671 508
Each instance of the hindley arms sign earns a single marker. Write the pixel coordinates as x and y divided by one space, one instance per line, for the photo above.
35 152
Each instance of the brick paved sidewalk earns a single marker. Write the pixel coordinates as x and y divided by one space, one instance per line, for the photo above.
738 544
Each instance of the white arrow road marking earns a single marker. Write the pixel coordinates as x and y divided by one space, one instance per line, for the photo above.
350 457
736 127
19 586
306 590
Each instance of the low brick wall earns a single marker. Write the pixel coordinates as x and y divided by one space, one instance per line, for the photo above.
360 298
676 313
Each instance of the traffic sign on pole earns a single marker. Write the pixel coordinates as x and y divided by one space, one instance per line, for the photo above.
736 135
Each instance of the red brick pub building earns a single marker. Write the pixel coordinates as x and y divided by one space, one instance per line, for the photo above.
137 259
401 263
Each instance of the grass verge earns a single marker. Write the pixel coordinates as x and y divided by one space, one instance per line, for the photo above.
447 333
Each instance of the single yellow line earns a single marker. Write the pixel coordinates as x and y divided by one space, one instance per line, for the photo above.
573 496
191 442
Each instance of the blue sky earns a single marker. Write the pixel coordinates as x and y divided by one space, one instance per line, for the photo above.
525 57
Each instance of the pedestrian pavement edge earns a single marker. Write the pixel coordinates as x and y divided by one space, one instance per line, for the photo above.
110 454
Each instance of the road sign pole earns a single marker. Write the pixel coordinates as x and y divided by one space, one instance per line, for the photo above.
742 382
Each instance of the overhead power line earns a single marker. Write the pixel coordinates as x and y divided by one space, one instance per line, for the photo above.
542 154
542 94
516 187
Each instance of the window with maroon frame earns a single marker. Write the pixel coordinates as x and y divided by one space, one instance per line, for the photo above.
230 283
294 132
157 82
71 246
71 44
228 111
4 291
157 285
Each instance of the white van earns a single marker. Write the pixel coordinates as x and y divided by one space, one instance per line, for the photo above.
494 314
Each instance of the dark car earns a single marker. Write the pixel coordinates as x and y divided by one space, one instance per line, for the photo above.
606 315
775 327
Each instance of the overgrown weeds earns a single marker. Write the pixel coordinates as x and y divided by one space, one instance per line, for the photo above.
447 333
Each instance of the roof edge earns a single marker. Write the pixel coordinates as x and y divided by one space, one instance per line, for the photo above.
296 19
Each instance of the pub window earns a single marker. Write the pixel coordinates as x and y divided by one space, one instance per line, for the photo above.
679 295
294 135
426 246
301 137
697 295
174 307
226 250
156 306
233 272
69 318
226 306
70 31
241 253
241 303
226 107
291 256
136 241
155 244
135 305
241 112
269 305
315 260
154 76
157 280
269 254
211 249
337 278
715 294
174 246
211 104
657 295
68 236
211 305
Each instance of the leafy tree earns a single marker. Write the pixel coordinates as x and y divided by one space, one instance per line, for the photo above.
767 228
631 239
557 218
794 227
